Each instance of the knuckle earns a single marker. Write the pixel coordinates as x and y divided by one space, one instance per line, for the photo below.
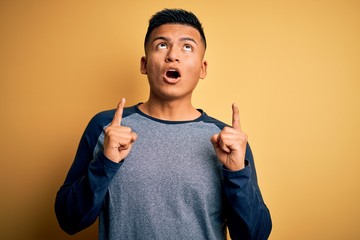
244 137
108 131
226 128
126 129
111 133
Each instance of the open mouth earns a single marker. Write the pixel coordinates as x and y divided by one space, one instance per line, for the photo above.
172 73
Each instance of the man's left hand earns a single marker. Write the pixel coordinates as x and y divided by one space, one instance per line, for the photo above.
230 143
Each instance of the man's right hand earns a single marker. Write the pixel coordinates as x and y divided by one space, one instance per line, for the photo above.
118 139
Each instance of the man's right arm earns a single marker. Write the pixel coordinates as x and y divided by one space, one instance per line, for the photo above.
79 200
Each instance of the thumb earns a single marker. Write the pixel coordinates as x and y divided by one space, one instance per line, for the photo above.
214 140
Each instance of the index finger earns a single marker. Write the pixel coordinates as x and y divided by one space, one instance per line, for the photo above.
118 113
235 117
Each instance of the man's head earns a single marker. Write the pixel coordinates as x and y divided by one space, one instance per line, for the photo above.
174 55
174 16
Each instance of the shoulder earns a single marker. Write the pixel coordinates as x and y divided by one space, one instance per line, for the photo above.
104 118
211 120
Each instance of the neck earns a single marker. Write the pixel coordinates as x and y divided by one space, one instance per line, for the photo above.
170 110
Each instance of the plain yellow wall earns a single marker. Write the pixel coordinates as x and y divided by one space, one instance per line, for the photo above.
293 67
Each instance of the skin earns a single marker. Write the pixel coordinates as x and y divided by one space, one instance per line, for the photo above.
175 46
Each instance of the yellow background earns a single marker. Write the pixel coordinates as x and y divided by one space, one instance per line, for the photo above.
293 67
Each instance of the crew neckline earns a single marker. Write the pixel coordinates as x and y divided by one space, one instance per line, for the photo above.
137 109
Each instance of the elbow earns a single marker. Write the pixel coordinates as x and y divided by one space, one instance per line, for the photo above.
268 224
68 229
65 220
71 221
65 223
262 232
257 227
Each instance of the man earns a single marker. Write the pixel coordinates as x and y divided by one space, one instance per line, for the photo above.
163 169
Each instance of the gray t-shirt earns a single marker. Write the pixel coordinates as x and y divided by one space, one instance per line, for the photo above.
170 185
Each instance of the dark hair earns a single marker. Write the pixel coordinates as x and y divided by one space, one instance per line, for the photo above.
176 16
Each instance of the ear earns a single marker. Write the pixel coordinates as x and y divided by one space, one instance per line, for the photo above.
143 65
203 70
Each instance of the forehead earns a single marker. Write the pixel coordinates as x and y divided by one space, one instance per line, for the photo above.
175 31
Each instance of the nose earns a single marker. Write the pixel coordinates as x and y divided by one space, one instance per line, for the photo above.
172 55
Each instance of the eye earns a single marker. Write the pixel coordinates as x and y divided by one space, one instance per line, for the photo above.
161 46
188 48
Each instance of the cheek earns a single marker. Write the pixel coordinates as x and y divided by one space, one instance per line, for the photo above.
194 68
153 70
151 66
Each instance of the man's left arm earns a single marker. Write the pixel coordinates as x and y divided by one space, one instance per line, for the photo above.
247 215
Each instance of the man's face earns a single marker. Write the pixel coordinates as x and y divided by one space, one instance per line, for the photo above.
174 61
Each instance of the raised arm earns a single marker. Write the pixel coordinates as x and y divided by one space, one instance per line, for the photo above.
80 199
246 213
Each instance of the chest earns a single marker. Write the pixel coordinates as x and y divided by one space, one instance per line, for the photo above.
170 160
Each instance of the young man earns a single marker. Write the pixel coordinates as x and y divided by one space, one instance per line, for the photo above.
163 169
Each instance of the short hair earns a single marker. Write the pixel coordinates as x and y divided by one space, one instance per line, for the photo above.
175 16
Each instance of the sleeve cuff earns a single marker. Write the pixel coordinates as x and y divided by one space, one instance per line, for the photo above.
245 172
107 162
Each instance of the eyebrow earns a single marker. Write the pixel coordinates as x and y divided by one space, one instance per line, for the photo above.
188 39
181 39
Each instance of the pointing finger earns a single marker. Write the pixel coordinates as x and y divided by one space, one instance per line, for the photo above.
118 113
235 117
